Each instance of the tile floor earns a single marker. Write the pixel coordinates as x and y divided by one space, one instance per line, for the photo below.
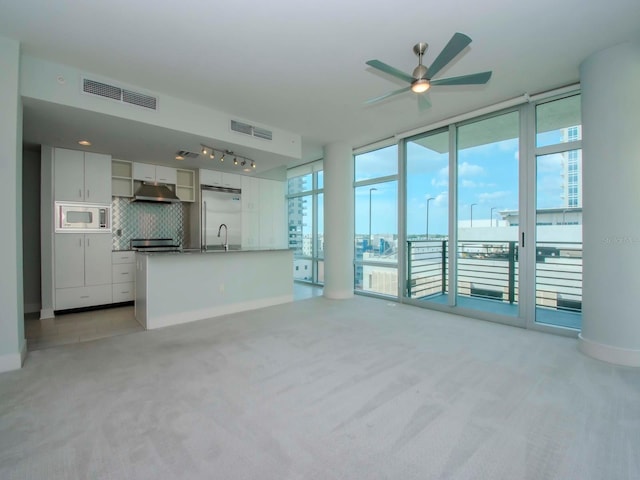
106 322
79 327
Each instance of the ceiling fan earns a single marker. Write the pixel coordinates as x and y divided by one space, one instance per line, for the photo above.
422 78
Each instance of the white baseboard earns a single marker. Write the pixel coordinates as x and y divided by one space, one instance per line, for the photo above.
194 315
608 353
46 313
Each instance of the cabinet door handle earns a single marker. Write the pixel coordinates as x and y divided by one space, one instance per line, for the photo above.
88 193
88 242
79 193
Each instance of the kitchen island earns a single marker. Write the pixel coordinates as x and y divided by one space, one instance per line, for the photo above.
181 287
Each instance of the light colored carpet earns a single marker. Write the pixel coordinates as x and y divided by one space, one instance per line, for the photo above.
321 389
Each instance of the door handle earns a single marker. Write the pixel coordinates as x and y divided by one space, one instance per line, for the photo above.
522 243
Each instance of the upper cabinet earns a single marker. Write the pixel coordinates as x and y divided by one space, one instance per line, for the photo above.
146 172
81 176
185 185
121 178
214 178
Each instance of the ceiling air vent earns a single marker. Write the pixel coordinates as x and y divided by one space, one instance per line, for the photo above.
187 154
251 130
139 99
105 90
262 133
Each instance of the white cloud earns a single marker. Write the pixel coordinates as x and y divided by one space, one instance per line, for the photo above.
466 169
442 182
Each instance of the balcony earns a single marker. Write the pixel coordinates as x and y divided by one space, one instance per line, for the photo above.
488 277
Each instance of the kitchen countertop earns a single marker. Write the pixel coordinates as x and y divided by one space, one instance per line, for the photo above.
197 251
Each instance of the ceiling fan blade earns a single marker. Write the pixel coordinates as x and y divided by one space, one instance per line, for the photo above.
387 95
458 42
423 102
390 70
472 79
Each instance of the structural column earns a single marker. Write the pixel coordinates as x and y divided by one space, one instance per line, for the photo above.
611 200
338 221
12 342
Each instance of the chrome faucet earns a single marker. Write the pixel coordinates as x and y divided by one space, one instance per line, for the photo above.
225 244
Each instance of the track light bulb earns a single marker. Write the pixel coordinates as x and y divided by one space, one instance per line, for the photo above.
204 150
213 155
235 161
253 165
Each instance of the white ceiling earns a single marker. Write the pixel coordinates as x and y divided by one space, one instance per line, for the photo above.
300 66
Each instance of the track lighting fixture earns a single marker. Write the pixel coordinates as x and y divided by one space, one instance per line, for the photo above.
222 154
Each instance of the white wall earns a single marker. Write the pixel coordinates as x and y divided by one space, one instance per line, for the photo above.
12 342
611 158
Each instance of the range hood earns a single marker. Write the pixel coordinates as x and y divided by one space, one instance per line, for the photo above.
151 192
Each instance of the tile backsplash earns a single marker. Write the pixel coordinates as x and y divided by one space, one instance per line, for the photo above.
147 220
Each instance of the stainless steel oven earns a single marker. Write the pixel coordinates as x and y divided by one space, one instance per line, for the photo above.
82 217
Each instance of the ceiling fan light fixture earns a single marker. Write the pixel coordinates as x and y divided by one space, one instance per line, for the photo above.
420 86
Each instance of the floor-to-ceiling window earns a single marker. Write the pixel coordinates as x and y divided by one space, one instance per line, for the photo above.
475 190
376 221
487 177
306 221
558 265
427 214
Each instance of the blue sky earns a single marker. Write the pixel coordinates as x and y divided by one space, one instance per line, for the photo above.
487 177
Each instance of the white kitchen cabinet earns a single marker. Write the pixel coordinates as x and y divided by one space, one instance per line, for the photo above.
250 229
250 211
123 274
166 174
121 178
272 214
185 185
82 264
231 180
145 172
81 176
214 178
250 194
210 177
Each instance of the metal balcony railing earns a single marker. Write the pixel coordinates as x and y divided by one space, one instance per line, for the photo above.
489 270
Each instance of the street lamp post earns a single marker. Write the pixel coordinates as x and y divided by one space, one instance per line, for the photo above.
428 201
491 217
471 216
370 190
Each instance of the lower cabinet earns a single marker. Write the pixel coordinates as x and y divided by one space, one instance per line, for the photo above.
82 270
123 274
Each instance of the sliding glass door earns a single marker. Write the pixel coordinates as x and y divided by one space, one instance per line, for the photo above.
427 224
488 215
473 192
558 264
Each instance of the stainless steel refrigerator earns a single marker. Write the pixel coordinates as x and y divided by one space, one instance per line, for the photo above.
221 218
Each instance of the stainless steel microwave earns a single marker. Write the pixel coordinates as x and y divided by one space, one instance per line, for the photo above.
82 217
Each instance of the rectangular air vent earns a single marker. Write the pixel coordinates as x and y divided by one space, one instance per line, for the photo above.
113 92
247 129
262 133
187 154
